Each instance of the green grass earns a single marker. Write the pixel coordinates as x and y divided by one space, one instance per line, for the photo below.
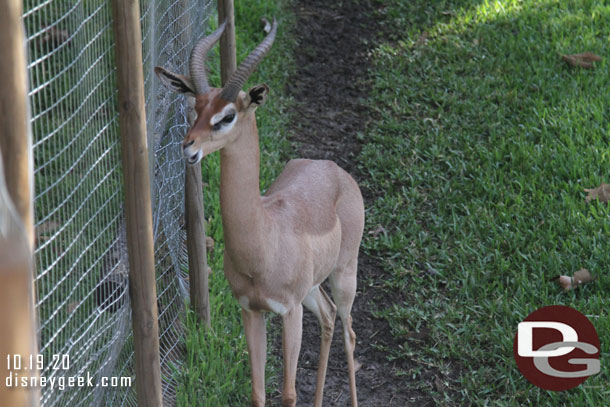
482 142
217 371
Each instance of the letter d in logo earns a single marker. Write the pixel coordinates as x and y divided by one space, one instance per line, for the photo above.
525 335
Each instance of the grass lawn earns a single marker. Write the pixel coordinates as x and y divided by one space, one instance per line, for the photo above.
217 370
480 146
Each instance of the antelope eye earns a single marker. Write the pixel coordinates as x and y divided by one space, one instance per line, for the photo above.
228 118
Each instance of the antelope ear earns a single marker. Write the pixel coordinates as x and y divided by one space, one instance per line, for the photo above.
257 95
177 83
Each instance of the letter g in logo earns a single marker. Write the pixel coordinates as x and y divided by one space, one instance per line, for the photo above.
593 367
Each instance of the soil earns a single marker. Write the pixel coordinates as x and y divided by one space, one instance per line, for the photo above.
333 43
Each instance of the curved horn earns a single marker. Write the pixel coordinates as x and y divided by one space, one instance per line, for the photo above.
245 69
197 60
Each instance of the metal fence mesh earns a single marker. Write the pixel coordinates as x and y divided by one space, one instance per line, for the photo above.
81 252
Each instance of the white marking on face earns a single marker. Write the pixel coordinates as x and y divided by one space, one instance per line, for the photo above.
218 118
277 307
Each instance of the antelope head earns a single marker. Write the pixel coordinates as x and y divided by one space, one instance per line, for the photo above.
219 111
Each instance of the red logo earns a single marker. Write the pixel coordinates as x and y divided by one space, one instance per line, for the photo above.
556 348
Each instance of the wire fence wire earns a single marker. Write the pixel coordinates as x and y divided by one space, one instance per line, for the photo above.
81 251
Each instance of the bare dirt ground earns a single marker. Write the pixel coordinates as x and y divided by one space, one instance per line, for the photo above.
333 43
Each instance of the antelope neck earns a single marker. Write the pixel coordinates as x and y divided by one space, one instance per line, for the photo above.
240 199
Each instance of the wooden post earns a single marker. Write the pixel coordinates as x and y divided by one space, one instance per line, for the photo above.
18 341
18 333
195 244
228 59
14 135
195 222
142 282
193 195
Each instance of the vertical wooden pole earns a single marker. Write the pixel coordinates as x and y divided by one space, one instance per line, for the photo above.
132 119
195 244
18 333
18 339
195 230
195 222
228 59
14 136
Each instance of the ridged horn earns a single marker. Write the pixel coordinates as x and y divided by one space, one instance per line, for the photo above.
199 53
245 69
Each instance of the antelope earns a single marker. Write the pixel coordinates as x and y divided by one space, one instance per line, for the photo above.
281 246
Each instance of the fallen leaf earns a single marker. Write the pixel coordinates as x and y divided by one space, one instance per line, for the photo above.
267 25
209 243
423 39
432 271
601 193
376 232
45 230
71 307
582 276
439 385
52 37
47 227
583 60
422 335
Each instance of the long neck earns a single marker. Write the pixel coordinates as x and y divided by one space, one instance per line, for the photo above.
240 200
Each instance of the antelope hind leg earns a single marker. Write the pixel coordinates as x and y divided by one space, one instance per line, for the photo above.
318 302
343 287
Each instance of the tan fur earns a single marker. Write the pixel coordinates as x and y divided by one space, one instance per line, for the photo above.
280 247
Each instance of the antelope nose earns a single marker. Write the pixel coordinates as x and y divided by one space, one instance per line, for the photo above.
186 145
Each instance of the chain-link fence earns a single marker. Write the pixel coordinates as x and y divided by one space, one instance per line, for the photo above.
81 252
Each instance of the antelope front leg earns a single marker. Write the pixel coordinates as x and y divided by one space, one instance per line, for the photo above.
291 345
256 336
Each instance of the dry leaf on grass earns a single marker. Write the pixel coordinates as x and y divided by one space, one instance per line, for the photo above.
53 37
602 193
380 229
582 60
439 385
209 243
423 39
71 307
46 230
582 276
266 25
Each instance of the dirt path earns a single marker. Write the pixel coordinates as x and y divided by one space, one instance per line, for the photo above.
333 40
